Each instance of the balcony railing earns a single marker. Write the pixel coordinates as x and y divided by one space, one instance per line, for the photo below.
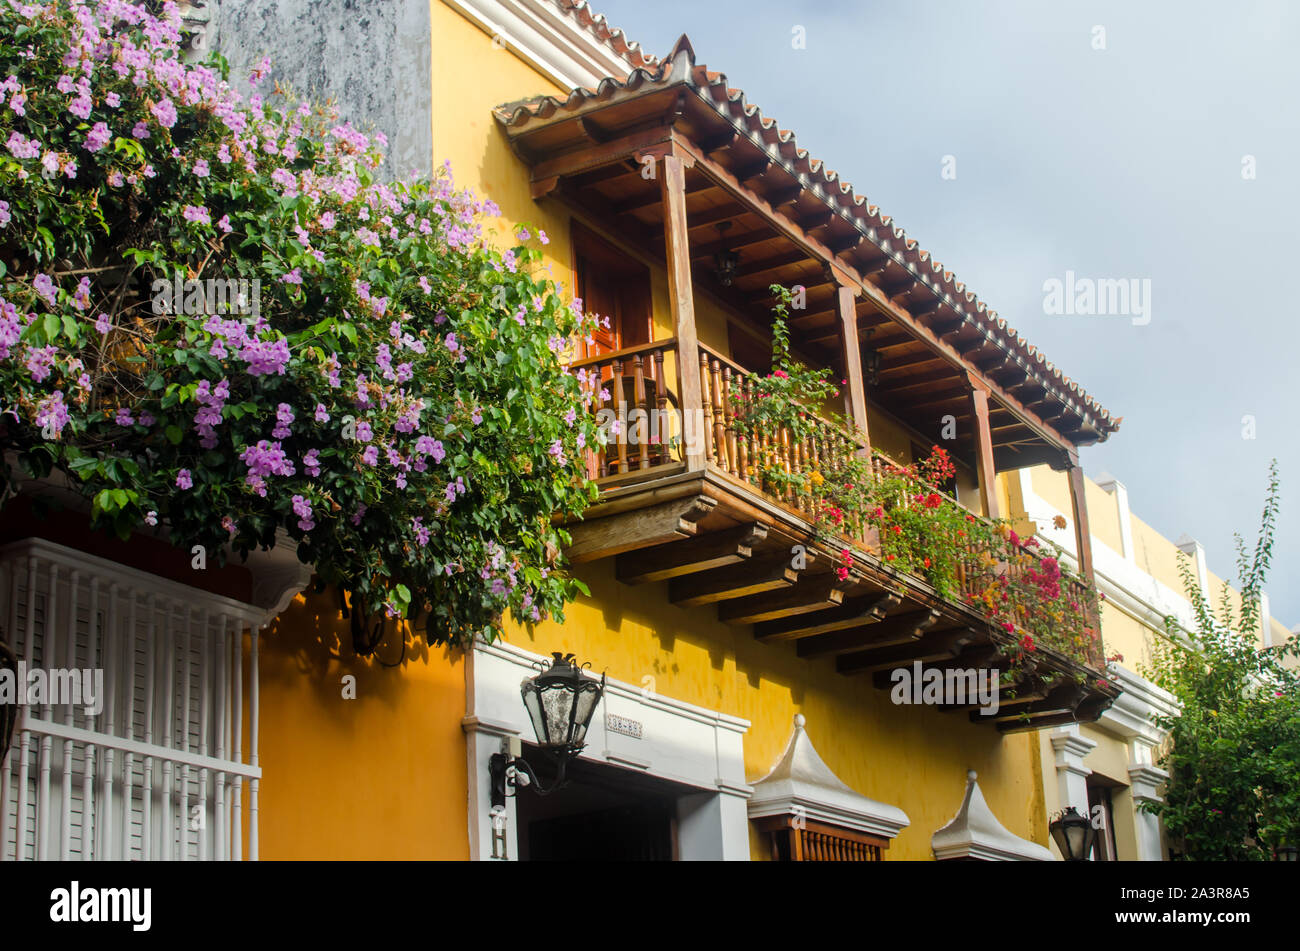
639 392
640 410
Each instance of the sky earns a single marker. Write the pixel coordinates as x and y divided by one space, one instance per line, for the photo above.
1156 141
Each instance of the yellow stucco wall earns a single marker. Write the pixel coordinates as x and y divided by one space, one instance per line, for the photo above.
1103 517
1127 636
912 757
384 775
381 776
1156 555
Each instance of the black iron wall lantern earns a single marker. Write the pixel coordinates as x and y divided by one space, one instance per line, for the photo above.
724 262
871 360
1287 853
1073 835
561 702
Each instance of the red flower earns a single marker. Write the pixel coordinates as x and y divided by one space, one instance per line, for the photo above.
898 529
889 558
1027 643
1008 627
781 374
927 562
933 500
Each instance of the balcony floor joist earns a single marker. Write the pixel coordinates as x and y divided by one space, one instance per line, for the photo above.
717 542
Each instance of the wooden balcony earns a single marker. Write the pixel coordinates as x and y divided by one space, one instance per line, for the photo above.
756 555
659 165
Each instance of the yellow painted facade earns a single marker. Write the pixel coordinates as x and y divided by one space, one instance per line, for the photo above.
392 763
385 774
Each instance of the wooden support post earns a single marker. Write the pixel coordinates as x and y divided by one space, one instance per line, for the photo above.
855 396
984 447
1079 503
672 183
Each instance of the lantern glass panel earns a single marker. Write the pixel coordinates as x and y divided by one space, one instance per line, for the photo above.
588 697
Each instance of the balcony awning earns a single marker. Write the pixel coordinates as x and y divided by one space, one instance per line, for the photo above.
580 147
975 833
802 784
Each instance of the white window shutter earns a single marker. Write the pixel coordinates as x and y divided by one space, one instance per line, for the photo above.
163 770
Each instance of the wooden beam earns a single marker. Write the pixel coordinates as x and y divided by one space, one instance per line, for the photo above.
786 196
594 130
1082 533
970 658
642 528
847 274
712 216
851 614
734 581
809 595
1064 697
900 629
719 142
682 298
932 647
816 219
584 160
987 473
753 170
732 243
677 559
845 243
772 263
855 393
877 266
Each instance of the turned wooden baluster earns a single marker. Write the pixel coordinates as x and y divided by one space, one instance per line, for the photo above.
662 427
743 443
643 417
601 454
729 415
709 451
788 494
719 419
620 408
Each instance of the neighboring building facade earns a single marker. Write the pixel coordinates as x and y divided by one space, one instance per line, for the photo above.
1111 763
743 716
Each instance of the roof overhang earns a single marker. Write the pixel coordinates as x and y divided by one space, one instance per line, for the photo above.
795 222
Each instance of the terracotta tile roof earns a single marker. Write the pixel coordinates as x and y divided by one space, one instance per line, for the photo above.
680 67
596 24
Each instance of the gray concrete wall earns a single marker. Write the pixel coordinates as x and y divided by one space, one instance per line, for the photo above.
372 57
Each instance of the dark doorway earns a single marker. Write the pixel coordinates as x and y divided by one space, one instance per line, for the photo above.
604 813
612 285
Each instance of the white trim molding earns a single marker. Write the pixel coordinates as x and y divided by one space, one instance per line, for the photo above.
1112 486
1196 552
801 783
1134 712
554 44
1123 584
1071 748
694 747
975 833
